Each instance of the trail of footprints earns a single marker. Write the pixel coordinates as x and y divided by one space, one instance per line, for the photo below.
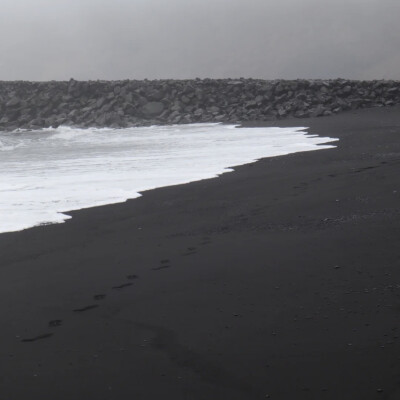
164 264
303 185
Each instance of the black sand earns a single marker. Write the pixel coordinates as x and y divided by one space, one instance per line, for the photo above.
281 279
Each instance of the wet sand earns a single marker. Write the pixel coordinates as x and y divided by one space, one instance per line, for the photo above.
280 280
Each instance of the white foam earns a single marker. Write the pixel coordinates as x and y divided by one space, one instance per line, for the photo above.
48 172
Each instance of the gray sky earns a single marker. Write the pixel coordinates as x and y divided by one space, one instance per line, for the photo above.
136 39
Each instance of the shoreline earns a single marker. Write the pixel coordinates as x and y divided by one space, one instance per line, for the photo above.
218 140
278 279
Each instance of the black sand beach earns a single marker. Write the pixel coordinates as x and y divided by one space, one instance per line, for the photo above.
280 280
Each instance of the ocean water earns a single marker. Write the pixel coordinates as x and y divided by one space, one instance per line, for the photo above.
50 171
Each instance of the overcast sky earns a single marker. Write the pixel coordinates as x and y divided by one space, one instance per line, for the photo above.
136 39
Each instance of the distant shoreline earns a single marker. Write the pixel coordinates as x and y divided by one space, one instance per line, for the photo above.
34 105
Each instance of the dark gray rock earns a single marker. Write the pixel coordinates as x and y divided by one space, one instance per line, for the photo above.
318 111
153 108
214 110
14 102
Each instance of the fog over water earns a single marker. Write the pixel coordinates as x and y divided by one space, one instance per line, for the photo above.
136 39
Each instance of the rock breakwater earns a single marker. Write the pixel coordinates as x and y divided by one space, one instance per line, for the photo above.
33 105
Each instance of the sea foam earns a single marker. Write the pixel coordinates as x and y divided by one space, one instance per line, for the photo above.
48 172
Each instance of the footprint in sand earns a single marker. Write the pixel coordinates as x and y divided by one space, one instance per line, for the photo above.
191 250
161 267
39 337
86 308
55 322
205 240
123 285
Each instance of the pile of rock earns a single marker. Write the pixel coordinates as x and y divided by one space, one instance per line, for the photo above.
133 103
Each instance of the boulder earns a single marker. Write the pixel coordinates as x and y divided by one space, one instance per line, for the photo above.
318 111
14 102
152 109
